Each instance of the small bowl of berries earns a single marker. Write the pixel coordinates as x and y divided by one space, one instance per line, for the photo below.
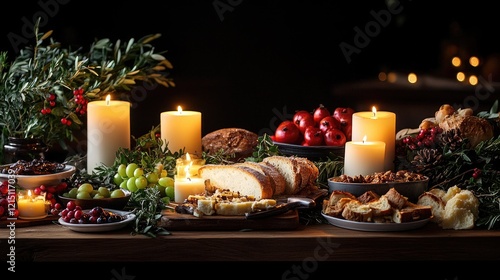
96 219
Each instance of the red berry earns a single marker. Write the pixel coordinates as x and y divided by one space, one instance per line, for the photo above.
71 205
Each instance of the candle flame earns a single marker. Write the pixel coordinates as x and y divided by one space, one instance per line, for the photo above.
364 139
108 99
374 110
179 109
186 170
188 157
29 193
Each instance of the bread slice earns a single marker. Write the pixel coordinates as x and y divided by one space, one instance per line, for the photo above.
289 169
396 199
357 211
380 206
309 174
436 203
336 195
245 180
277 180
337 209
411 213
368 196
276 176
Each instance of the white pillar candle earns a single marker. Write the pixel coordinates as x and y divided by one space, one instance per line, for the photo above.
377 126
31 206
192 165
181 130
185 186
363 157
108 126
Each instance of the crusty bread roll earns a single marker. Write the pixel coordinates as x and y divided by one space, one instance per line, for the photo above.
232 141
475 129
461 211
451 192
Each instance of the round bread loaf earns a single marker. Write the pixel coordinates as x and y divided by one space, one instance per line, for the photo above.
237 142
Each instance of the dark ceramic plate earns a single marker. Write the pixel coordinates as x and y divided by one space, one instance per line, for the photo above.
310 152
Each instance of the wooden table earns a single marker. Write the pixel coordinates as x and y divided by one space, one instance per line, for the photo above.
311 244
47 243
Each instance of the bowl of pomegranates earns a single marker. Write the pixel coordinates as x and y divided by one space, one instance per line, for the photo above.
316 135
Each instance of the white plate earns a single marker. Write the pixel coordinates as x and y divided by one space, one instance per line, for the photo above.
364 226
33 181
129 217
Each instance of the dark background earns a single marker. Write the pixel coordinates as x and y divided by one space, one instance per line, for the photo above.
251 64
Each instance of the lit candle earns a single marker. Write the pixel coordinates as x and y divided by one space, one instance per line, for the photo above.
187 185
378 126
181 130
108 126
363 157
193 165
31 206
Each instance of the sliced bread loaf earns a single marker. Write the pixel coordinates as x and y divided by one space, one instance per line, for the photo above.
277 180
245 180
289 170
300 173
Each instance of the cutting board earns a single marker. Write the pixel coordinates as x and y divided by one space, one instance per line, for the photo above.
175 221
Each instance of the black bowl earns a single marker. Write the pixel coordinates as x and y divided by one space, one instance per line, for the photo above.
314 153
117 203
412 190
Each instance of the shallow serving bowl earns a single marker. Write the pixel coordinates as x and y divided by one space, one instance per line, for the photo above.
34 181
412 190
313 153
117 203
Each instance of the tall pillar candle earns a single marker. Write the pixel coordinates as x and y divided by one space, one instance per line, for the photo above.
364 157
108 126
182 130
377 126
